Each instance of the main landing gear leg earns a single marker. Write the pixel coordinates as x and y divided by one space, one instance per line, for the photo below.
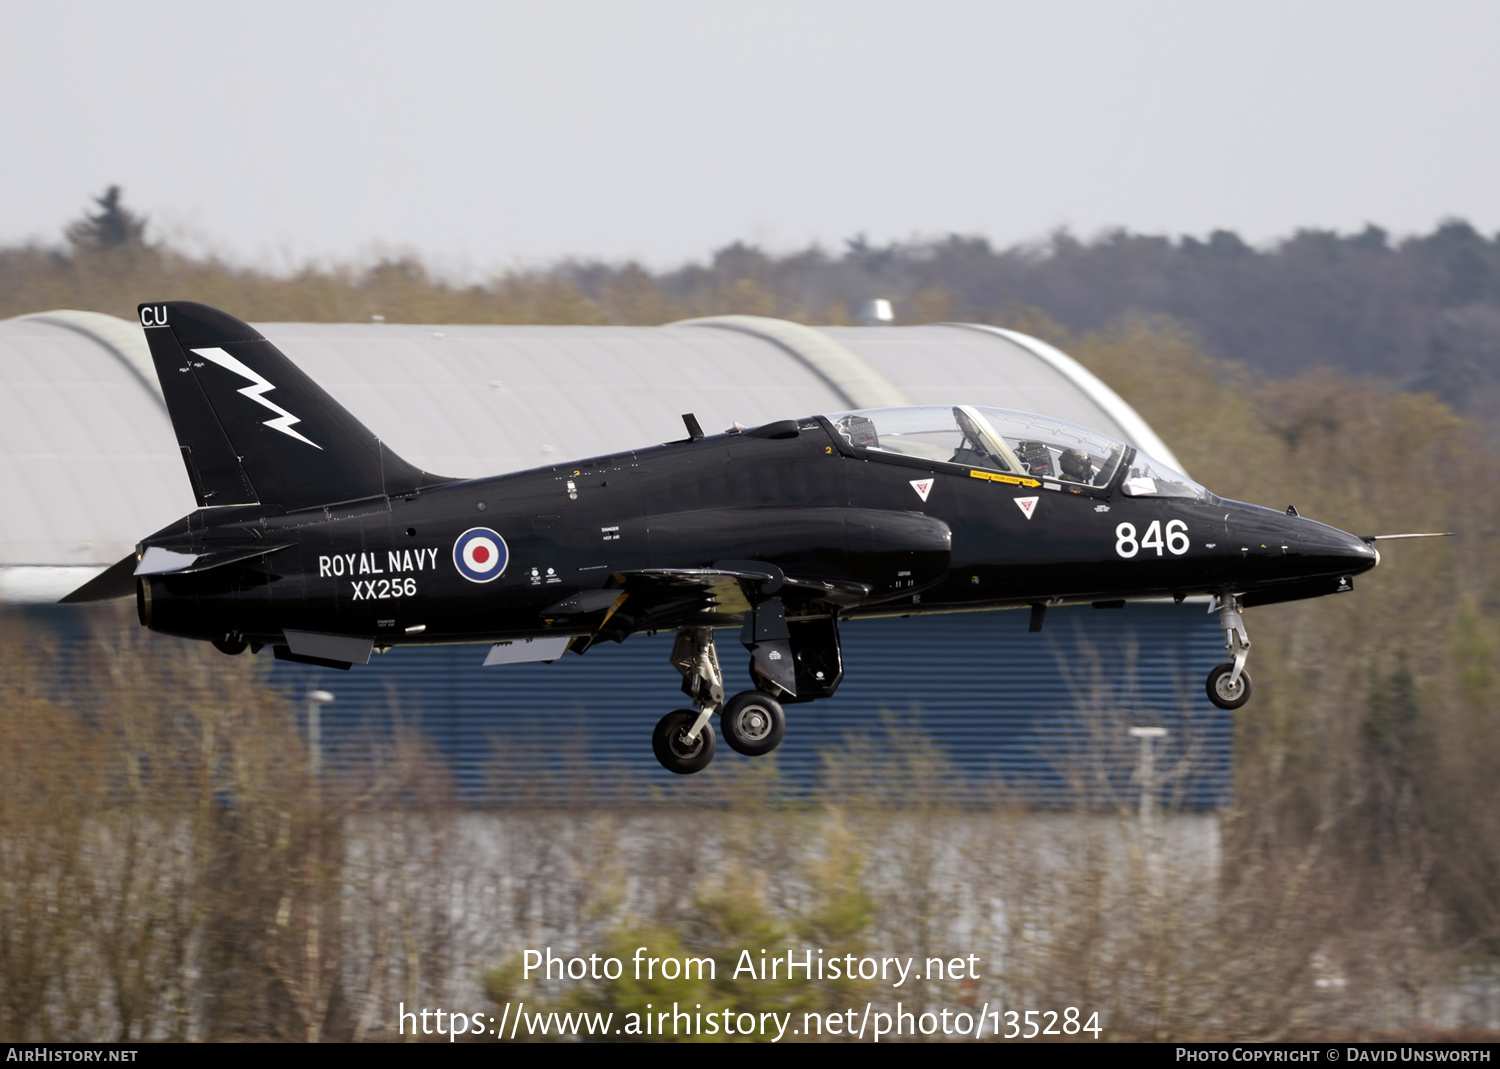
684 740
1228 685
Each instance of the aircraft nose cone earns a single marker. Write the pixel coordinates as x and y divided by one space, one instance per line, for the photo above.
1355 547
1361 554
1331 550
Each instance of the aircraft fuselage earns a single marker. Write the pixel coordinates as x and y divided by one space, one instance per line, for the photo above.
796 497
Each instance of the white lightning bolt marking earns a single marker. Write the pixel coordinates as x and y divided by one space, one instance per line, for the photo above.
256 392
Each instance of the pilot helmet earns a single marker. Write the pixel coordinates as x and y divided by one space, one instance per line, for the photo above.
1075 464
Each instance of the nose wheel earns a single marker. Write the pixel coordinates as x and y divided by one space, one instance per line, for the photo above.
1224 690
1228 685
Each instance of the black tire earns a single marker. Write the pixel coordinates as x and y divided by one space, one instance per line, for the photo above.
1219 691
232 643
673 750
753 724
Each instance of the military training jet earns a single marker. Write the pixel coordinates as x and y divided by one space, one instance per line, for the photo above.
313 538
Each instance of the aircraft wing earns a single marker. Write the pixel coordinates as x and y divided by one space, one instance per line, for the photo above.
726 584
831 559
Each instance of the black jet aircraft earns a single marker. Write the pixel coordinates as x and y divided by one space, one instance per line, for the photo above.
314 538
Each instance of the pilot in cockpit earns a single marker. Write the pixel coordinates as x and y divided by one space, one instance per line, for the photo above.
1076 465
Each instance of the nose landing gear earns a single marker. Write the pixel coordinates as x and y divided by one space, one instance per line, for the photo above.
1228 685
1224 690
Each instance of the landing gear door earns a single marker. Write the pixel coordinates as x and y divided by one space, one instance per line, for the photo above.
817 658
767 636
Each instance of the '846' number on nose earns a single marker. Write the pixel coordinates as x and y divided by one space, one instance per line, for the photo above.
1176 540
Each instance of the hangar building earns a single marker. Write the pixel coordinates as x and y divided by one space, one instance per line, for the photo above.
89 464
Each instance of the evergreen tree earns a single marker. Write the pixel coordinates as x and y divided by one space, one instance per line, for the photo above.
115 227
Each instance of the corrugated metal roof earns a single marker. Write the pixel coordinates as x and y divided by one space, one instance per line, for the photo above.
122 338
88 460
472 401
939 365
857 384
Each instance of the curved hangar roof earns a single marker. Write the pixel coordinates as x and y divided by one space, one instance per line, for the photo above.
89 463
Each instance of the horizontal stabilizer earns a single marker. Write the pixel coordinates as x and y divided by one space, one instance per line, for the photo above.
160 560
116 581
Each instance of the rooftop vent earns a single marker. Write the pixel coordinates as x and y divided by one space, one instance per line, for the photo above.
876 313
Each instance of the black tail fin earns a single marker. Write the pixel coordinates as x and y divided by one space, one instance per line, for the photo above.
253 427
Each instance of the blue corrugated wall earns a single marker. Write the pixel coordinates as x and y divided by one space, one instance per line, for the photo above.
967 708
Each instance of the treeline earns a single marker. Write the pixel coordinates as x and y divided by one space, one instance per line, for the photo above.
1421 313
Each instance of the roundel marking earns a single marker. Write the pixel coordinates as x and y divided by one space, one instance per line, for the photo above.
480 555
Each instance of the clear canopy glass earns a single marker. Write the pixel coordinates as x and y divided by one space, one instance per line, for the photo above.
1018 443
1149 477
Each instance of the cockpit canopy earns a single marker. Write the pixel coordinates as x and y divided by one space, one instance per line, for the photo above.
1013 443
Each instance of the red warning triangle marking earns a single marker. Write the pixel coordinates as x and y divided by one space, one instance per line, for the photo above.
1027 505
923 487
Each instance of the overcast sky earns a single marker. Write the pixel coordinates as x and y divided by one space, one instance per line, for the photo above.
486 135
